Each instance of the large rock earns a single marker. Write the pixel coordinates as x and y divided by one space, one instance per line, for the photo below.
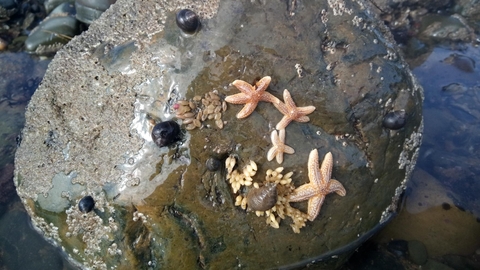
88 133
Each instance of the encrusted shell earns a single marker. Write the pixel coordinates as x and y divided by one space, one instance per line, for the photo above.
165 133
86 204
262 198
394 120
188 21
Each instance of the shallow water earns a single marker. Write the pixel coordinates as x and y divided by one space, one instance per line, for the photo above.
445 174
20 76
441 207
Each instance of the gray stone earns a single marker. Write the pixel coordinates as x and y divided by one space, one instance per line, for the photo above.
417 252
89 124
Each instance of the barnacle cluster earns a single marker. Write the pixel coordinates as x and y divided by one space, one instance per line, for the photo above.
276 187
94 232
200 109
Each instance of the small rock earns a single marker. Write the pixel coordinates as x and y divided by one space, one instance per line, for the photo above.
462 62
213 164
417 252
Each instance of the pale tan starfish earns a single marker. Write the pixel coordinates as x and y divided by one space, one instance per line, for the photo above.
251 95
291 112
279 147
320 184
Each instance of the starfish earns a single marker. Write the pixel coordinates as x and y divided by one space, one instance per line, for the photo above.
320 184
279 147
291 111
251 95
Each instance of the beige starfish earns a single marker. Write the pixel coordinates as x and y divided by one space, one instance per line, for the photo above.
291 112
251 95
320 184
279 147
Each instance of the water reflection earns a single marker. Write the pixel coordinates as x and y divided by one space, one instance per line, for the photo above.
19 77
439 224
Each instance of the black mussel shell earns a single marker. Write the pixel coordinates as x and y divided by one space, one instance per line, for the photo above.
394 120
166 133
213 164
263 198
188 21
86 204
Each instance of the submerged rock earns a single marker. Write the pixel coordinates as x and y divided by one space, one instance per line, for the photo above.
54 31
88 10
417 252
89 125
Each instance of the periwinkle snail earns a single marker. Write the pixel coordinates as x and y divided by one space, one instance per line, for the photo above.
394 120
262 198
86 204
188 21
165 133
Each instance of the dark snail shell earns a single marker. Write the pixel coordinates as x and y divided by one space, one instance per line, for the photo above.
165 133
394 120
262 198
188 21
86 204
213 164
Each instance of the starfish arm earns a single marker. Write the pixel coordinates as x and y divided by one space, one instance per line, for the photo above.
283 123
337 187
269 98
281 107
279 157
326 168
274 137
239 98
247 110
287 149
302 193
302 119
244 87
306 110
313 170
281 135
271 153
314 205
287 98
276 102
263 83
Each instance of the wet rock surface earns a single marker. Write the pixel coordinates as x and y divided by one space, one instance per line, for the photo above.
88 133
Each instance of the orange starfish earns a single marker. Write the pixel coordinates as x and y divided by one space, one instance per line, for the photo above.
251 95
320 184
279 147
291 111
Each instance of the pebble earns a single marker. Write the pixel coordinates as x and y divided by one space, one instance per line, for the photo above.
417 252
462 62
213 164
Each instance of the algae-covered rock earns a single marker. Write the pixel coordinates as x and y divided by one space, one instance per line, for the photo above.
88 133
